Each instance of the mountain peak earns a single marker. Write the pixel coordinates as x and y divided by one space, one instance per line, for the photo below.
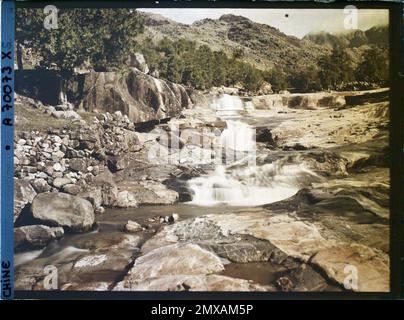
233 18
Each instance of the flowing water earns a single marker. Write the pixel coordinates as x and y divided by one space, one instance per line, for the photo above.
250 185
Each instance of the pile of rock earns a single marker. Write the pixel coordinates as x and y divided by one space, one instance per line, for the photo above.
64 111
53 161
69 159
73 161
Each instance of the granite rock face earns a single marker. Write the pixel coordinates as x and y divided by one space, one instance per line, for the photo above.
171 260
24 193
35 236
138 95
211 282
58 209
358 267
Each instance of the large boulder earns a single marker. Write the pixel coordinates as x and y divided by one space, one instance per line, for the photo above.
102 192
59 209
171 260
138 61
139 96
35 237
182 267
24 194
356 267
148 192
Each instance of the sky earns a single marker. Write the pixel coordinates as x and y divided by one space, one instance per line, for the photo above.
296 22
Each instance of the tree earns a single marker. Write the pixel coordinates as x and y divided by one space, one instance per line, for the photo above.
336 69
374 66
277 78
103 37
306 80
29 31
252 78
185 62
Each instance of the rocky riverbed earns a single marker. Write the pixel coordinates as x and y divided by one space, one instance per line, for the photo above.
301 205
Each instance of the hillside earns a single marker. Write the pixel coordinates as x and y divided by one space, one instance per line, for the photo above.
259 44
377 36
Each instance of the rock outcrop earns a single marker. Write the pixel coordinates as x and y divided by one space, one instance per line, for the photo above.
59 209
211 282
366 267
139 96
35 236
282 239
133 194
138 61
319 100
24 193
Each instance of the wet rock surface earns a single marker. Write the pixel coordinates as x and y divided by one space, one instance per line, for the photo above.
171 260
35 236
86 260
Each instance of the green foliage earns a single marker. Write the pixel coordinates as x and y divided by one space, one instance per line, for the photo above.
306 80
182 61
251 78
277 77
101 37
336 69
185 62
374 66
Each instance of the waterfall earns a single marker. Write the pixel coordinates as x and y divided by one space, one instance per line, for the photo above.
249 186
227 105
238 136
245 185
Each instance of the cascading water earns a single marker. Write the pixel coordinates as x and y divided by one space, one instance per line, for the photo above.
227 106
238 136
246 185
249 186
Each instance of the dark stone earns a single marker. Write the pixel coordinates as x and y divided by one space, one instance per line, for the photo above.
35 237
60 209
